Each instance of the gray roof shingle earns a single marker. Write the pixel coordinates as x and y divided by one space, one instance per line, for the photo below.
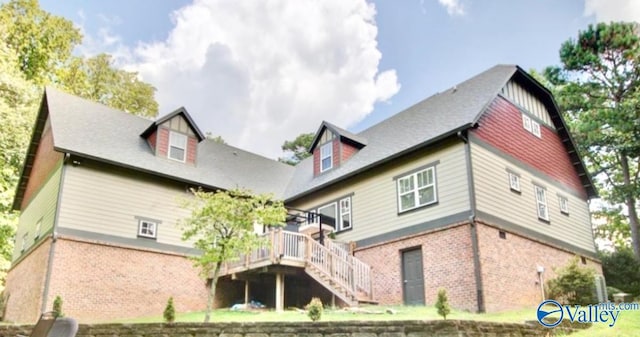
425 122
95 131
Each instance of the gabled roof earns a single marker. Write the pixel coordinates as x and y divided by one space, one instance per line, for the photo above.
91 130
180 111
427 122
344 135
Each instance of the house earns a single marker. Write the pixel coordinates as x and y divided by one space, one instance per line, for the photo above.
477 189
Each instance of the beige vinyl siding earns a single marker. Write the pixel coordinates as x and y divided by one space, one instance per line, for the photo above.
375 202
41 208
179 124
493 196
519 95
107 200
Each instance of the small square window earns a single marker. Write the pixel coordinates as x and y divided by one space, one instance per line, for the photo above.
526 122
535 129
147 229
514 182
502 234
564 205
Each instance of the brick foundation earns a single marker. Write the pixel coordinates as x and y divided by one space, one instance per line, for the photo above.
509 268
447 263
102 282
25 283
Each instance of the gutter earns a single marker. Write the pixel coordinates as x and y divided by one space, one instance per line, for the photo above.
54 237
477 267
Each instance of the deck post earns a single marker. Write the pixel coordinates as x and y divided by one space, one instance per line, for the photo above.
279 292
246 293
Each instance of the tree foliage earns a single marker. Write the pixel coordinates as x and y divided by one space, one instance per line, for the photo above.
598 88
57 307
621 270
314 309
221 224
573 284
169 312
298 149
442 303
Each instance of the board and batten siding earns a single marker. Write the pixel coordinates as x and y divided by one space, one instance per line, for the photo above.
526 100
375 201
107 200
495 197
42 208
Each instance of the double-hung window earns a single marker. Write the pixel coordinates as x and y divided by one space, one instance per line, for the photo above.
541 202
326 156
514 182
564 205
417 189
177 146
337 214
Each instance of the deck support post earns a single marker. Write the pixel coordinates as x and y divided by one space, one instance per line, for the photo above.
279 292
246 293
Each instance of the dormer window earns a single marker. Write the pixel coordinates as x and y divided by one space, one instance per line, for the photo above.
326 157
177 146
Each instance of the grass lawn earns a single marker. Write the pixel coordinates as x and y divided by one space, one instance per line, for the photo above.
627 325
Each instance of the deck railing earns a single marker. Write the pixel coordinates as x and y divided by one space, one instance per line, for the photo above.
331 260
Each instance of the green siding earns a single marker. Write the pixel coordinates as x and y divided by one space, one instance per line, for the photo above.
494 197
41 208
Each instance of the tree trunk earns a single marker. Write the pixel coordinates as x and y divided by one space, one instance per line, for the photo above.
212 292
631 207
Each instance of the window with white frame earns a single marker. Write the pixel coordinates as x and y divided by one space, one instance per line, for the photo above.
25 237
36 235
541 202
326 156
147 229
564 204
514 182
417 189
526 122
177 146
535 129
337 214
531 125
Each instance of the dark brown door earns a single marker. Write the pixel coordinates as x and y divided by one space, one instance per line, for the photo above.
412 277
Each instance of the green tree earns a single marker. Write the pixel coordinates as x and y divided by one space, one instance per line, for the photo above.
298 149
573 284
442 303
598 88
222 227
41 40
57 307
621 270
169 313
314 309
217 139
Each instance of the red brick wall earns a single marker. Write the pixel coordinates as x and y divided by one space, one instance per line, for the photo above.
163 142
501 126
447 263
192 145
101 282
509 268
347 151
152 140
25 284
45 161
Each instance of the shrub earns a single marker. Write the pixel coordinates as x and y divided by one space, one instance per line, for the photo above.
442 303
611 291
169 313
622 270
57 307
314 309
573 285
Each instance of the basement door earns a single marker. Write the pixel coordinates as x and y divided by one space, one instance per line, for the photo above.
412 277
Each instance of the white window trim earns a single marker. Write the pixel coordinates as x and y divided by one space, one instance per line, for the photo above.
38 229
324 155
541 201
339 215
531 125
564 206
173 134
25 237
416 189
146 235
535 129
526 122
514 178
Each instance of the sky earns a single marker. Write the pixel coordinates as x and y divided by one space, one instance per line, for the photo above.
259 72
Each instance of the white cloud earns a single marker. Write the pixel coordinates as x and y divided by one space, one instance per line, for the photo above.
454 7
613 10
260 72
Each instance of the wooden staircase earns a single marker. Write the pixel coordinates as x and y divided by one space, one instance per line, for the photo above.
330 265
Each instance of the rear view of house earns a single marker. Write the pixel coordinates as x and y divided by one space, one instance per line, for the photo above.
477 189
